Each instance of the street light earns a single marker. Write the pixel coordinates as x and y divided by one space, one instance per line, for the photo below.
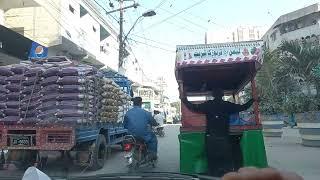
145 14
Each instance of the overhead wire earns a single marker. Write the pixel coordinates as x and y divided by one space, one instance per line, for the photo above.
187 20
167 18
159 5
106 11
180 25
158 47
158 42
144 36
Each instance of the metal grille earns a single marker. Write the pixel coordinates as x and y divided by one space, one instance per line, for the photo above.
59 137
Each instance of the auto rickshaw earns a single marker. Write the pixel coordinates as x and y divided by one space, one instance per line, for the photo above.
227 66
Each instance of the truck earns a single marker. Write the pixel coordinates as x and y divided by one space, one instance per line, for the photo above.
87 143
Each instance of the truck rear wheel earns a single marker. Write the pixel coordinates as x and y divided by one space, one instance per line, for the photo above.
98 154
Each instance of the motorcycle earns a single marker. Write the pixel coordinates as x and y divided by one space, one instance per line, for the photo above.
137 153
159 130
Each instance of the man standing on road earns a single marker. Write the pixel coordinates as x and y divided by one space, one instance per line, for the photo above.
218 146
138 122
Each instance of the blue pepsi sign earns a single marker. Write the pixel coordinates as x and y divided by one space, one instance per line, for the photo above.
38 51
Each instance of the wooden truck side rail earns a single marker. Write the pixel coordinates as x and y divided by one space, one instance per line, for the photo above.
28 137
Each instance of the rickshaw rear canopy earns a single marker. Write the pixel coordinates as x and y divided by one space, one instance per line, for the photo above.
229 66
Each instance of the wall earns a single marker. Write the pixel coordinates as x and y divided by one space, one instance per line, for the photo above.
1 17
35 20
110 54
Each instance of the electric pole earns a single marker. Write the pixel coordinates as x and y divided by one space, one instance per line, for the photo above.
120 35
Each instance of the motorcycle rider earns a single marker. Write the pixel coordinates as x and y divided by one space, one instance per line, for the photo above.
158 117
138 122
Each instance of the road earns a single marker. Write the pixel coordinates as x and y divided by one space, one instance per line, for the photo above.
284 153
287 153
168 155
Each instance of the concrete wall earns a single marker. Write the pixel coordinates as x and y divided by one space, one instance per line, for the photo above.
39 23
110 56
1 17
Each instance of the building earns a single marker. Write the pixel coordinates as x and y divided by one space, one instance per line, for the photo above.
72 28
299 25
237 34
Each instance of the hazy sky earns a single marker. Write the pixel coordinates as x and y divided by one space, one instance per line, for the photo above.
166 30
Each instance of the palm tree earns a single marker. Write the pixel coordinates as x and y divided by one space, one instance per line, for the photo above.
297 62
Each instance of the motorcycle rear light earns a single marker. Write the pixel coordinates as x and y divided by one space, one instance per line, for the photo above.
127 147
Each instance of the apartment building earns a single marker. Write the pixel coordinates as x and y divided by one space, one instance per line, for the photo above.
72 28
300 25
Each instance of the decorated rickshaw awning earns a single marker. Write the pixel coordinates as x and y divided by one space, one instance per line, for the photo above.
229 66
220 53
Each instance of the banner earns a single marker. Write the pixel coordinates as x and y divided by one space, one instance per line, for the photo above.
219 53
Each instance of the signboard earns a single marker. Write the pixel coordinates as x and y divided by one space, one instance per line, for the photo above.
146 106
219 53
38 51
146 94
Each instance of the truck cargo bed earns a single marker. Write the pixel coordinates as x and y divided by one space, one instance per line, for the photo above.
57 137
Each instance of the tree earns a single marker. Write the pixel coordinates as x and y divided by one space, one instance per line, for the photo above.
177 106
267 88
298 61
295 67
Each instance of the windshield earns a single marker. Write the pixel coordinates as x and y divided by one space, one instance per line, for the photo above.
98 87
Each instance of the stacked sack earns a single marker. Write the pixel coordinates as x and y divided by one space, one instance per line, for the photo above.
58 91
30 92
9 99
68 94
114 102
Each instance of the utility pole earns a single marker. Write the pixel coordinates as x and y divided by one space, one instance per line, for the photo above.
120 35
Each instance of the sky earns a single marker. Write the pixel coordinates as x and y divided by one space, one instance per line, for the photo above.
179 22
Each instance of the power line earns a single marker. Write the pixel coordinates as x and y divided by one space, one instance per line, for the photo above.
164 20
158 42
184 26
160 4
106 10
193 23
168 50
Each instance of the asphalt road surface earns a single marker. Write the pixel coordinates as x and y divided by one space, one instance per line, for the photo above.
284 153
168 156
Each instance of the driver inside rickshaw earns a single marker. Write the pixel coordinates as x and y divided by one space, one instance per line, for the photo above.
218 146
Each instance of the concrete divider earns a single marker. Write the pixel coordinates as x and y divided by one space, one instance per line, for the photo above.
309 128
272 125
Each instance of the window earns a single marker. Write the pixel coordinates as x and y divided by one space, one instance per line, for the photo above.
273 36
94 29
103 33
71 9
83 11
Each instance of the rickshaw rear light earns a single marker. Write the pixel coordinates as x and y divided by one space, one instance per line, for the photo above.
127 147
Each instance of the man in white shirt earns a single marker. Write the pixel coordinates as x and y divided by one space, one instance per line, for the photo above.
158 117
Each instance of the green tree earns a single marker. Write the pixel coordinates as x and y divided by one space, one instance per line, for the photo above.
177 106
266 86
295 67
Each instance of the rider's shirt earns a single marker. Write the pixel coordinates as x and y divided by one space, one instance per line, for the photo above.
137 121
159 118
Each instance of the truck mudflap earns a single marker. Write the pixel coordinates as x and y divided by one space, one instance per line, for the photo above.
36 137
